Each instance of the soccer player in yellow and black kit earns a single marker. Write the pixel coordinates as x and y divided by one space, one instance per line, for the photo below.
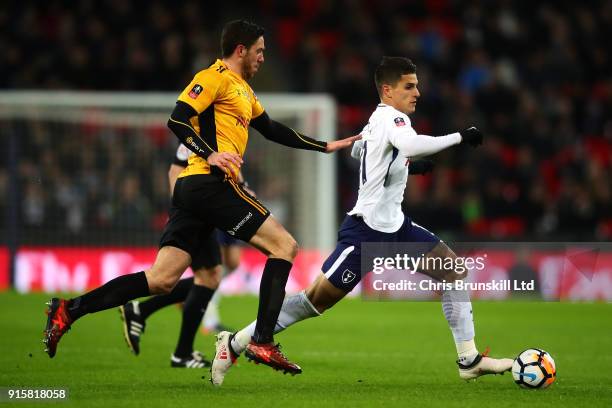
198 292
211 118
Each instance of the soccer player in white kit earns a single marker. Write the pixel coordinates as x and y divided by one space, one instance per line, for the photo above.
388 145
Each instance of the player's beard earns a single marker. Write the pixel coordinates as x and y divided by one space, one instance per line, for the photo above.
248 73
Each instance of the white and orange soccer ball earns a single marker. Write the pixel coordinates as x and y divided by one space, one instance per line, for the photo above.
534 368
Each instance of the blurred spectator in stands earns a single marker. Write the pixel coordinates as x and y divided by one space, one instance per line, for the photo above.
132 209
536 77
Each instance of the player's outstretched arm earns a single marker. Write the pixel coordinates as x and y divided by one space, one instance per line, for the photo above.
422 166
413 145
279 133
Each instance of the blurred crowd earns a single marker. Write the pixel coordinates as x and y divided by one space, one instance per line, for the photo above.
535 77
95 183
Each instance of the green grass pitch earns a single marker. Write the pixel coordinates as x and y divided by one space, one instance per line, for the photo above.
359 354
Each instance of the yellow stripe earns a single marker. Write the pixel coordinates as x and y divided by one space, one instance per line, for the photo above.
194 132
246 198
304 140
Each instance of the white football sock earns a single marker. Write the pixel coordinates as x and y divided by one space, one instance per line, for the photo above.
457 309
211 316
295 308
466 351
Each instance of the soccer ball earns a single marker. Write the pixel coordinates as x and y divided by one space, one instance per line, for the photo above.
534 368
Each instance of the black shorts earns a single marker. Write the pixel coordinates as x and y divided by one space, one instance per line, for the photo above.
203 202
208 253
224 239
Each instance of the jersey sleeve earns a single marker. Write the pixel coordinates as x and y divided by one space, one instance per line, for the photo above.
410 144
202 91
398 129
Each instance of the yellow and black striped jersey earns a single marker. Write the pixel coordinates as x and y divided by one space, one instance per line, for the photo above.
225 105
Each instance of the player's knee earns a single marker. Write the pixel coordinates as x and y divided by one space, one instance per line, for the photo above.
161 285
286 248
167 285
291 247
231 262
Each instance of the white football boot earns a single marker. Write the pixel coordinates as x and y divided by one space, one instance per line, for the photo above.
482 365
224 358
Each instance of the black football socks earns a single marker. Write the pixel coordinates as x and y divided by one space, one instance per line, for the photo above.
113 293
271 296
193 312
154 303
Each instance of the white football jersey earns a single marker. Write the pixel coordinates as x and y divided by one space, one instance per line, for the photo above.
388 141
383 172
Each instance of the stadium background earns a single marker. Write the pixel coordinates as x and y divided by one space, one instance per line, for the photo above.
83 201
535 77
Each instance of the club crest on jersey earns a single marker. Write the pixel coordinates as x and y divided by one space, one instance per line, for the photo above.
348 276
195 91
399 122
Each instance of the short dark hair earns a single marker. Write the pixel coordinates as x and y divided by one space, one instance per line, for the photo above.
390 71
239 32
